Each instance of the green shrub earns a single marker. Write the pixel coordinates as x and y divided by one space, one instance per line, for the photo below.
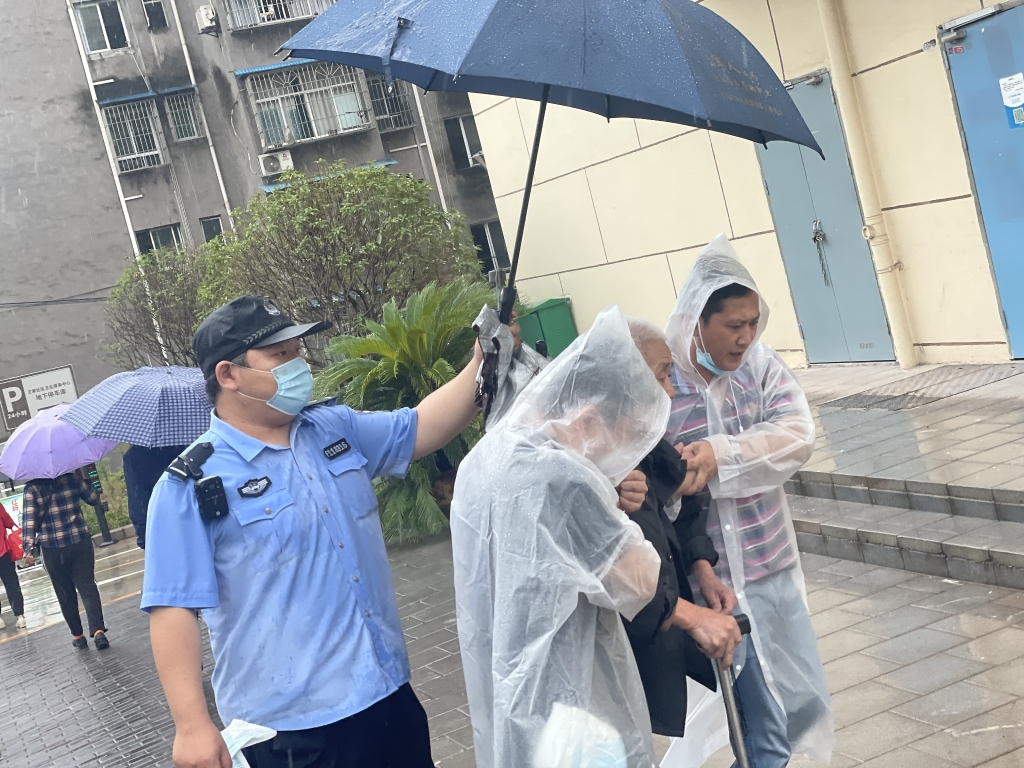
395 365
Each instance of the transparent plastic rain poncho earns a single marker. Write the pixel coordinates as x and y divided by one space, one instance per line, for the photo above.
758 421
545 562
515 369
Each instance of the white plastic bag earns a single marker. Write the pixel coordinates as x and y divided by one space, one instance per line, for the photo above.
239 735
574 738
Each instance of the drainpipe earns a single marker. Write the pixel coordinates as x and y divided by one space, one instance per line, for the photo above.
887 269
199 103
430 148
108 145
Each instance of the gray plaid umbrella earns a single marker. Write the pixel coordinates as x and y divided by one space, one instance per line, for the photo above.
151 407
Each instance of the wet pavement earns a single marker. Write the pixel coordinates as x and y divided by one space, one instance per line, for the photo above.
942 451
118 574
924 671
63 707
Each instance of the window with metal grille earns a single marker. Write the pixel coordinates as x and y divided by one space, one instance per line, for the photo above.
490 244
135 132
464 142
254 13
390 105
101 25
183 116
212 227
308 102
155 15
159 237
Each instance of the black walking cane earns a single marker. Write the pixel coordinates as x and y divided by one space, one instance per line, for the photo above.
733 711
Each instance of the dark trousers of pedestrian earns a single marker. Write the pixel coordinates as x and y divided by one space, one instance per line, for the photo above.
73 568
389 734
9 577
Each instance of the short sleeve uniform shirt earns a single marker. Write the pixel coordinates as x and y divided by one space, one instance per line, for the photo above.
294 583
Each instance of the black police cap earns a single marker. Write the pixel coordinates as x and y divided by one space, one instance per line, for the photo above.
245 323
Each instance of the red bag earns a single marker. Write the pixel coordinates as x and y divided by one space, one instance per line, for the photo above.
14 545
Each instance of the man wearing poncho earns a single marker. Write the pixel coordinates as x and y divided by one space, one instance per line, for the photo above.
545 562
748 429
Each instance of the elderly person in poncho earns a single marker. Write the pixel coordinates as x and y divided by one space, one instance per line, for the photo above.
545 563
746 428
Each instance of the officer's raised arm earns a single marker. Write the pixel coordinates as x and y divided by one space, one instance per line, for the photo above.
446 412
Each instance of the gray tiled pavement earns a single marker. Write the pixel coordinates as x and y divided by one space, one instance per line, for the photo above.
963 454
925 672
937 543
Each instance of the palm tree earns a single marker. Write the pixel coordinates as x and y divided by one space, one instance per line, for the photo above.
395 365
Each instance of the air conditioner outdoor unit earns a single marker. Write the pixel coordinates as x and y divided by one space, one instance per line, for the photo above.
206 19
276 162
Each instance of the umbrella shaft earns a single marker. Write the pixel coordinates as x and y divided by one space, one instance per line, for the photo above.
528 190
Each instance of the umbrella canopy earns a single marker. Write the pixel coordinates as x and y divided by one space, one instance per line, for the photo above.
46 447
152 407
669 60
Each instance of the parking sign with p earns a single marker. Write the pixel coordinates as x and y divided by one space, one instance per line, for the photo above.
24 397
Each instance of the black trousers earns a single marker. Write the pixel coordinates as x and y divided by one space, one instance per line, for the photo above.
389 734
9 577
73 568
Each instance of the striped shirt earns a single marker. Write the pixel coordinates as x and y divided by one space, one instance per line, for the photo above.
761 519
52 516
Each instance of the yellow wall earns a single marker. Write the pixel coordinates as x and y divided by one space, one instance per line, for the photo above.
621 208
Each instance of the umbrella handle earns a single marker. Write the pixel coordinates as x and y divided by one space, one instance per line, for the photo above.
506 303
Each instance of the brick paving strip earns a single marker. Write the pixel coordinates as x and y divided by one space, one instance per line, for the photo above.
925 673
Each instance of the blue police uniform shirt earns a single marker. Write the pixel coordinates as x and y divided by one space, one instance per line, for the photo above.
294 583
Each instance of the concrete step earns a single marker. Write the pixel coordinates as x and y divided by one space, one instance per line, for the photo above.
953 546
938 490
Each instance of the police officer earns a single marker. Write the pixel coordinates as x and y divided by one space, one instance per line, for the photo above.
269 524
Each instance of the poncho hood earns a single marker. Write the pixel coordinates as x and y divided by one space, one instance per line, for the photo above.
603 373
716 267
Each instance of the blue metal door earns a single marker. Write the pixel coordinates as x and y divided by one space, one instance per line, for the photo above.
986 60
818 221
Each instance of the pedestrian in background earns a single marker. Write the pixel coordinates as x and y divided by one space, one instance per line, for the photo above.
54 522
9 574
142 468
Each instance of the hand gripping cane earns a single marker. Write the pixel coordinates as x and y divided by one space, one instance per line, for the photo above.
733 711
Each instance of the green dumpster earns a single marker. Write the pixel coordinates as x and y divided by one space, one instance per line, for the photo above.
550 321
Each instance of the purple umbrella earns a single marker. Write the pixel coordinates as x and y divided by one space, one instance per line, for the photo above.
46 447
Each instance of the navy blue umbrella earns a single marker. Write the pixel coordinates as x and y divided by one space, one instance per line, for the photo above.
668 60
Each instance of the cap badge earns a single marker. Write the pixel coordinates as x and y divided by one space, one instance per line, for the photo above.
268 305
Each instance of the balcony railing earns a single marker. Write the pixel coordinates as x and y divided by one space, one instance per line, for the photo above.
256 13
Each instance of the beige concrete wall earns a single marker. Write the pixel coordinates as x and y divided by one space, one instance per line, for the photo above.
621 208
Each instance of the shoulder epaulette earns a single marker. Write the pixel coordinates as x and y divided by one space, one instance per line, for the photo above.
321 402
189 464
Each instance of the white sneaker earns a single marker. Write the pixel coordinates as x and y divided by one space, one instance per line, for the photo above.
3 624
20 623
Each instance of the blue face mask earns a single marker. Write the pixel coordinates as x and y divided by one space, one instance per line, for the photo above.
294 387
703 358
